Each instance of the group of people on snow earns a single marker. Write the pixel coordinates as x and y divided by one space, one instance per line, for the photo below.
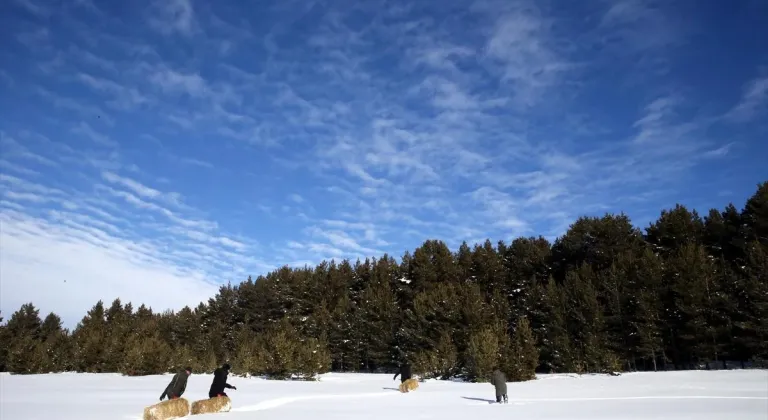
178 384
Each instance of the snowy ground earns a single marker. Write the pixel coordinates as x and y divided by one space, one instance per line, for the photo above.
702 395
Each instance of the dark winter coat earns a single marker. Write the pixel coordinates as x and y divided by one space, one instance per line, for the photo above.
219 382
177 386
404 372
499 381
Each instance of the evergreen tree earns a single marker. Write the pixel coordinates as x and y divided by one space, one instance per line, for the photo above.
246 360
432 263
750 319
376 319
54 348
645 309
90 341
673 229
724 236
464 263
147 354
436 309
440 362
223 316
586 323
487 268
483 353
527 268
281 354
691 275
596 242
5 339
615 298
118 327
525 355
25 331
755 215
556 348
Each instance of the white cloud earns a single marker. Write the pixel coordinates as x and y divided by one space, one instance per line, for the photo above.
169 16
16 183
80 55
195 162
342 240
32 6
141 189
172 216
13 205
86 130
43 262
643 25
295 245
12 148
502 208
13 167
213 239
753 103
125 97
131 184
104 250
522 45
35 198
173 81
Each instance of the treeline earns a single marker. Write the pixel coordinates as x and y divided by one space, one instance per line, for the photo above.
606 296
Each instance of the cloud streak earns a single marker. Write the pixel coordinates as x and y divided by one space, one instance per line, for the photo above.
753 103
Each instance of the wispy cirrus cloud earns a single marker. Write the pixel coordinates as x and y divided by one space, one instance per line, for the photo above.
123 97
78 226
86 130
136 187
12 148
65 257
524 52
34 7
753 102
642 25
173 16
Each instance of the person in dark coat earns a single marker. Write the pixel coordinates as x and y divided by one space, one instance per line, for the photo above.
220 382
404 372
499 381
178 385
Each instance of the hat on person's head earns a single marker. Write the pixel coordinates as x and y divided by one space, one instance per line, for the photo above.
225 366
188 369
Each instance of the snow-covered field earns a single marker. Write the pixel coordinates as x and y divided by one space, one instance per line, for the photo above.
702 395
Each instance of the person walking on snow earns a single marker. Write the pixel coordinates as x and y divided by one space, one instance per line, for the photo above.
404 372
178 385
499 381
220 382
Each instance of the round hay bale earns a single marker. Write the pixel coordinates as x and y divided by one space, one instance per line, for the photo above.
212 405
409 385
167 410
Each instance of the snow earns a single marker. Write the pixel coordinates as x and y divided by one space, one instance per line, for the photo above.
700 395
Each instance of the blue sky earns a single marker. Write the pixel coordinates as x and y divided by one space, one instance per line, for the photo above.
152 150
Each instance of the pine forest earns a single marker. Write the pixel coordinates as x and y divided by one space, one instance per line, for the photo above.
685 292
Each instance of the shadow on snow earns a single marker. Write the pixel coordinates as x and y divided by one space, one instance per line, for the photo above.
479 399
